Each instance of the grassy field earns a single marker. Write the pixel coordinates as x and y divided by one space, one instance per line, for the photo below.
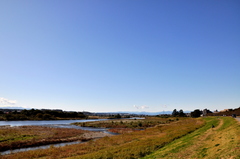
221 142
180 138
128 123
27 136
128 145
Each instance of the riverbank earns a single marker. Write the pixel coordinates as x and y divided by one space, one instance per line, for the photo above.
58 118
29 136
127 145
43 122
222 141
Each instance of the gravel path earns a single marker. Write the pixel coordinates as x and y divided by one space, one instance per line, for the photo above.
238 118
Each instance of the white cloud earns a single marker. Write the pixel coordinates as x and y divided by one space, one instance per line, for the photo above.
141 107
135 106
144 107
7 102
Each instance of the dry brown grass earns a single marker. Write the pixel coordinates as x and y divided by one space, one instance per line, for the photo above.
127 145
221 142
27 136
129 123
123 130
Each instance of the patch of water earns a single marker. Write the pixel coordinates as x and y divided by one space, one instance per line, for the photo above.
44 122
55 124
39 147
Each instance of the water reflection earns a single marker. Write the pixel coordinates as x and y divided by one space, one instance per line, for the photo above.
44 122
39 147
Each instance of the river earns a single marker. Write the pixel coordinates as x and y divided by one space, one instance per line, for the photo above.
50 123
44 122
56 124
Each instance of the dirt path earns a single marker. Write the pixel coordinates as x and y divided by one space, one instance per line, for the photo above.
210 132
223 141
238 118
200 142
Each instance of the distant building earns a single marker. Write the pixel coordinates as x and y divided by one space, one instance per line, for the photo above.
57 110
6 111
204 112
188 114
225 110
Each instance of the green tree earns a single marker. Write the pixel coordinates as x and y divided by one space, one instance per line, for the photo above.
47 117
39 116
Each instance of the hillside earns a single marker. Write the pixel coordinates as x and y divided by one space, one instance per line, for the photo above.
172 138
228 112
223 141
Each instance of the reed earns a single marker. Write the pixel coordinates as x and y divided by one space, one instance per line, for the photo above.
128 145
27 136
128 123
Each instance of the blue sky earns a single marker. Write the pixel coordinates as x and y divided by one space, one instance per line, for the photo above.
103 56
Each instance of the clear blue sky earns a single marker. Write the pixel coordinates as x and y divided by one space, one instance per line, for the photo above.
106 55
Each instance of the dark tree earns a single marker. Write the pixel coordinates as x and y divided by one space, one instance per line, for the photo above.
118 116
175 113
47 117
181 113
196 113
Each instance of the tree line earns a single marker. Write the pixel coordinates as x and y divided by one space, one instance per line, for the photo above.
179 113
196 113
36 114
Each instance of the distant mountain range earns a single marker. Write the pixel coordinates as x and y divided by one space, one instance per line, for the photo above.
13 108
144 113
118 112
139 113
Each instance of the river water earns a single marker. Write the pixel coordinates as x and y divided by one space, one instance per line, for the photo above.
56 124
39 147
44 122
51 123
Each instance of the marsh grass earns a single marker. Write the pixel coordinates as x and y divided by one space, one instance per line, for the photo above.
27 136
128 145
128 123
145 142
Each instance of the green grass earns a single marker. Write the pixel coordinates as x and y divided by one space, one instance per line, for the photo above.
153 139
18 138
223 140
227 122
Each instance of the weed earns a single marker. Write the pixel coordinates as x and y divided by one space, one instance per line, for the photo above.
203 152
